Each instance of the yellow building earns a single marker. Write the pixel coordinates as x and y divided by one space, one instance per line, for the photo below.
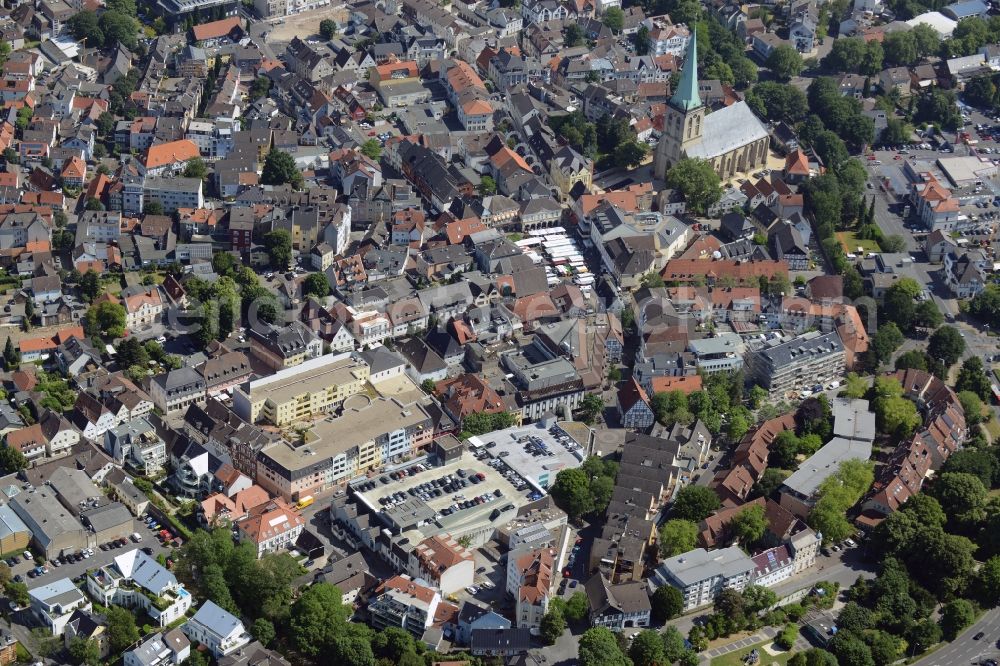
567 168
294 394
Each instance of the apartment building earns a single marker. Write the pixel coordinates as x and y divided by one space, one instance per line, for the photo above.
217 629
173 193
159 650
285 346
441 560
136 444
137 581
334 450
271 526
722 353
469 96
177 389
617 607
701 574
811 358
530 574
400 602
54 603
293 394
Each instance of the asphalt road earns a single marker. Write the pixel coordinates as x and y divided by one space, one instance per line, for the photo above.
965 650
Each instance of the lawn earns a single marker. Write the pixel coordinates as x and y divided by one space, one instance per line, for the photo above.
993 428
735 658
850 242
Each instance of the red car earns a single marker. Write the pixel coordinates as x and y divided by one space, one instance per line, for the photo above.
567 573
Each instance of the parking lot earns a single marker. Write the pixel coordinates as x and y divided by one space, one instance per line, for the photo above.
97 558
448 490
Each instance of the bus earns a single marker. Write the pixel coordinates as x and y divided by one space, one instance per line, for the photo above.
304 502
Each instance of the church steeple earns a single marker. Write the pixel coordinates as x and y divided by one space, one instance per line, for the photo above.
686 97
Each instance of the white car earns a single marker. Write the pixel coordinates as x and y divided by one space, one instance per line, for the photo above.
473 590
161 339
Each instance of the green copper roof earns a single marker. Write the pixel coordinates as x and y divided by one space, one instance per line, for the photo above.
686 96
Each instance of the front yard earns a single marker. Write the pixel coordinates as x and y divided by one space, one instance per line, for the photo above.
850 242
735 658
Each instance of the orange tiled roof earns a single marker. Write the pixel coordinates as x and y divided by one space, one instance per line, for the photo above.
170 153
216 29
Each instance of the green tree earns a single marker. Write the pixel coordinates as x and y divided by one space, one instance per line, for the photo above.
647 649
93 203
641 40
778 101
118 27
786 639
278 244
195 168
673 643
848 54
316 284
923 635
11 357
614 18
956 616
327 29
126 7
599 647
85 651
749 525
577 607
987 582
105 318
85 25
260 87
18 593
962 496
985 306
896 132
886 340
630 154
900 302
856 618
90 286
122 631
697 181
152 208
573 35
813 657
487 186
972 377
666 603
12 460
590 407
372 149
927 315
900 49
694 503
318 619
280 169
677 536
571 492
838 493
947 345
850 650
784 62
552 626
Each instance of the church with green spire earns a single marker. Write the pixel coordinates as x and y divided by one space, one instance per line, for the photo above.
732 138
